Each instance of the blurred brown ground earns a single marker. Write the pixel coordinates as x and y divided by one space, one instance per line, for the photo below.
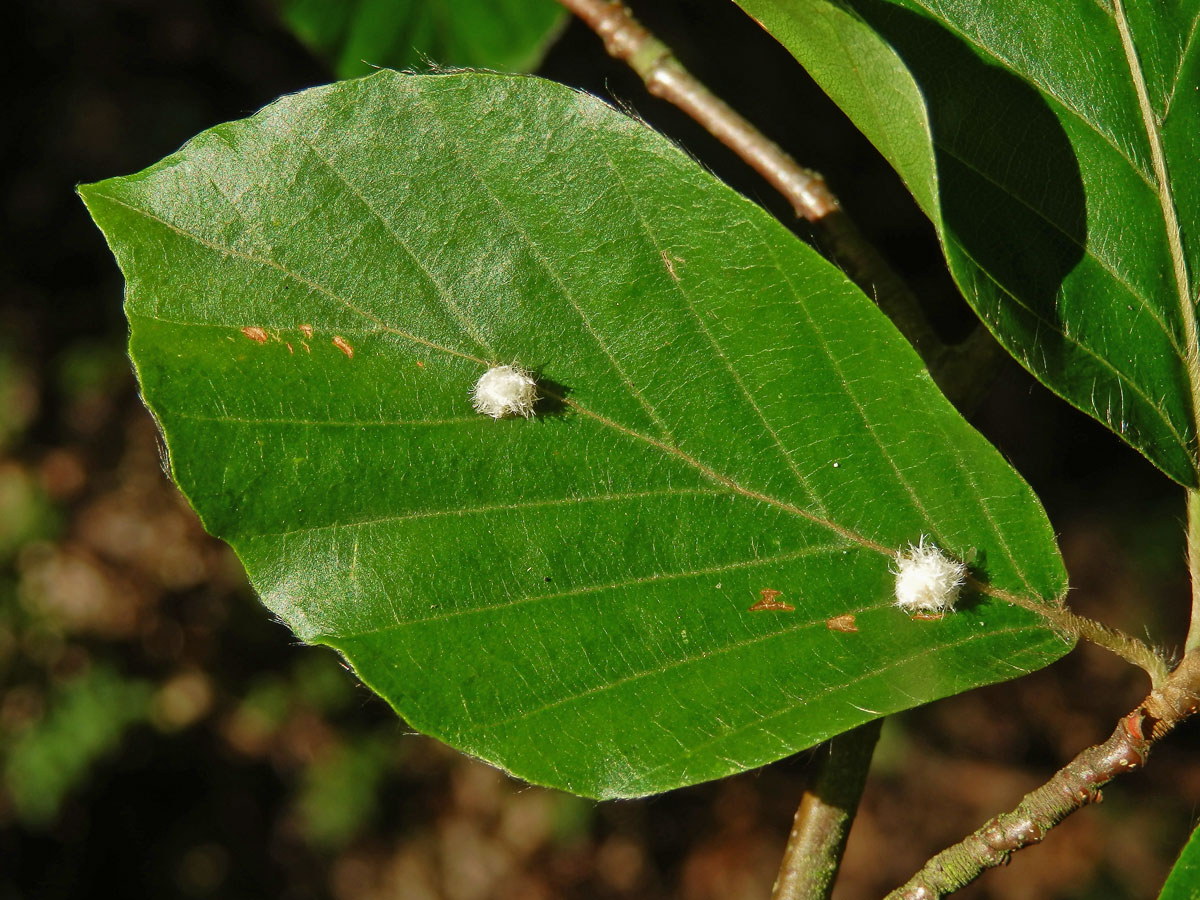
161 737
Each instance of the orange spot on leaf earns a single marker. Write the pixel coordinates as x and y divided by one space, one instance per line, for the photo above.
307 330
341 344
768 603
255 334
842 623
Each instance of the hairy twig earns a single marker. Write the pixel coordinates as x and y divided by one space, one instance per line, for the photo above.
1073 787
1119 642
1193 551
1074 625
665 77
822 823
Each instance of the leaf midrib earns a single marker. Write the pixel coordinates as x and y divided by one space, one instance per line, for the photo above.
672 450
1170 214
1030 602
295 276
324 423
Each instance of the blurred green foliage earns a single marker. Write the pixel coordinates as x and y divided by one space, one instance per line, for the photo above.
340 792
84 720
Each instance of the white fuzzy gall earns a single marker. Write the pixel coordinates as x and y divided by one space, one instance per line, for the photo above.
505 391
927 580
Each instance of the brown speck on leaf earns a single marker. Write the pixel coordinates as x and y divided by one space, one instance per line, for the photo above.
255 334
842 623
307 330
420 365
307 349
290 350
341 344
669 264
768 603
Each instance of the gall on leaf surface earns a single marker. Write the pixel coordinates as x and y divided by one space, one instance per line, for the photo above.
1054 146
566 596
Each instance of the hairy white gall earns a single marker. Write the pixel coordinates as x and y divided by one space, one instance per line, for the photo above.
927 580
505 391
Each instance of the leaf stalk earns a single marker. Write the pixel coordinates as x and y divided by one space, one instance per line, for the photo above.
1071 624
1193 550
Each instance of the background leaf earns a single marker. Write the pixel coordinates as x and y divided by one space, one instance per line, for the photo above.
1046 121
312 293
358 35
1184 880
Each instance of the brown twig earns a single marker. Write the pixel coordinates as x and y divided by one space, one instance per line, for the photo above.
1073 787
822 823
665 77
628 40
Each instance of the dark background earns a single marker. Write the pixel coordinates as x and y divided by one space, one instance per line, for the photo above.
160 736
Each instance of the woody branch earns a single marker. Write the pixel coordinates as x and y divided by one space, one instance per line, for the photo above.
1073 787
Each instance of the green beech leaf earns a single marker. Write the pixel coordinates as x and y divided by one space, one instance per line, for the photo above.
1184 880
314 291
357 36
1055 148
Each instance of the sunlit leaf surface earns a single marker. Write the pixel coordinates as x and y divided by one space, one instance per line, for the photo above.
314 291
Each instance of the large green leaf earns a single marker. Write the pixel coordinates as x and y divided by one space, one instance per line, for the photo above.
357 36
314 291
1184 881
1055 148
